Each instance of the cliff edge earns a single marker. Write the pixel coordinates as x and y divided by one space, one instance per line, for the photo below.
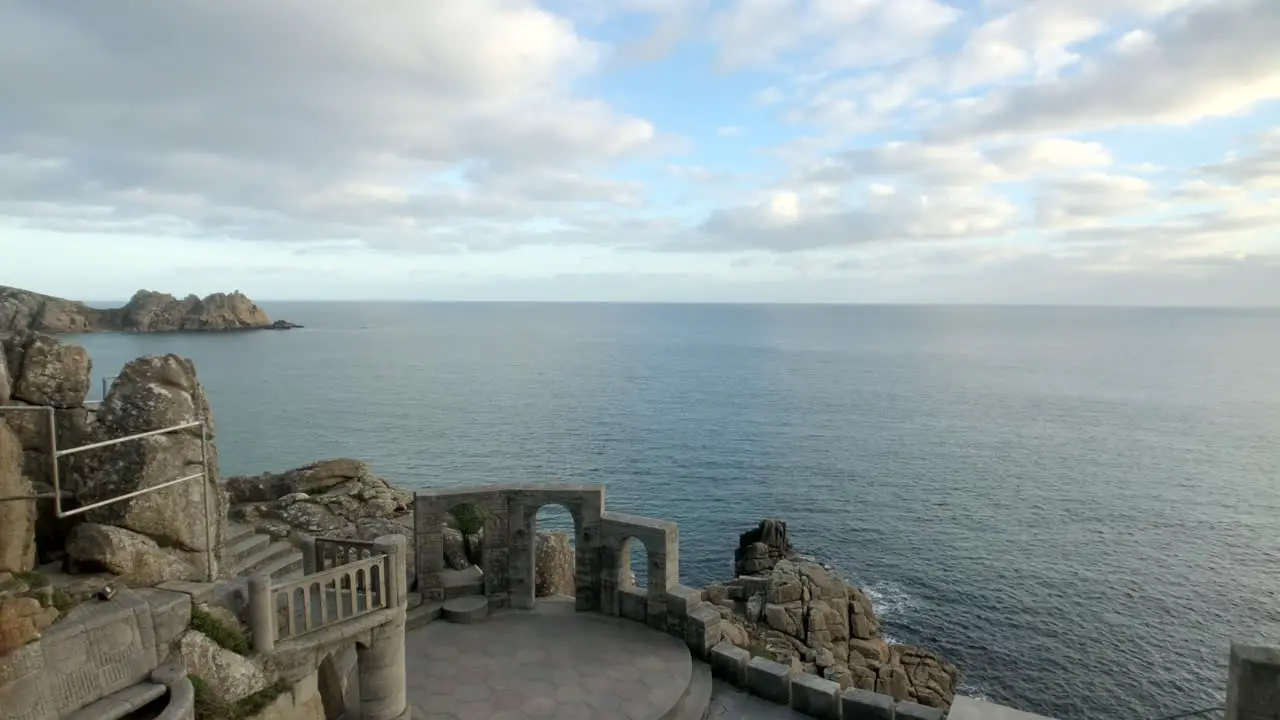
146 311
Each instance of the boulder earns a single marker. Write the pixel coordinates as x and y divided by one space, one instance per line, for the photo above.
136 558
17 517
761 547
554 563
230 677
186 519
44 371
316 478
22 619
26 310
455 551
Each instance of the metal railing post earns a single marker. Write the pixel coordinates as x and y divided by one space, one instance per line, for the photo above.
53 463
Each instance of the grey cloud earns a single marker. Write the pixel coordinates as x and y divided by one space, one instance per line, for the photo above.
291 119
1210 60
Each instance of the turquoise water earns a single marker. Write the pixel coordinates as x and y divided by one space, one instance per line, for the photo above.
1081 507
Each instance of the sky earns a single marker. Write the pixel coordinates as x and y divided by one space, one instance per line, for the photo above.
943 151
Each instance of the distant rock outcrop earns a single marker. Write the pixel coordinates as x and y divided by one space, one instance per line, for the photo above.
796 612
147 311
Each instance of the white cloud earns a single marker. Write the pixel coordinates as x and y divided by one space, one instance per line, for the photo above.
297 119
1209 61
1090 200
838 33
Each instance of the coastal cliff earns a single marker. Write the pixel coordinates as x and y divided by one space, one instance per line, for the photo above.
146 311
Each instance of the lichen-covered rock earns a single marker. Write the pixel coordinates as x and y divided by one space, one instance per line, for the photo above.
154 393
17 518
22 619
316 478
554 564
230 677
44 371
761 547
800 614
26 310
136 558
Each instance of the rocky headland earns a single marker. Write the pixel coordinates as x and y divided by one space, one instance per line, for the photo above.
146 311
793 610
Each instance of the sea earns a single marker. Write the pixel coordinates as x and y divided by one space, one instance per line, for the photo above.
1079 507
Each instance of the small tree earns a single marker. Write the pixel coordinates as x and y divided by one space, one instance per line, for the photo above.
470 520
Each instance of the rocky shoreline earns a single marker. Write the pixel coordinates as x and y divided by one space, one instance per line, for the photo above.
146 312
779 605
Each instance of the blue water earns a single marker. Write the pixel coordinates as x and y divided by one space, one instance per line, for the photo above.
1080 507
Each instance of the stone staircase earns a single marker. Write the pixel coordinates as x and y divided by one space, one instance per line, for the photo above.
248 552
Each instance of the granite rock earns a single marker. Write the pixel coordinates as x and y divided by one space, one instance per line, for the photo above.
230 677
134 557
44 371
554 564
17 518
22 619
146 311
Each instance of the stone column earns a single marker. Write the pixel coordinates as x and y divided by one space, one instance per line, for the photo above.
382 673
310 562
396 583
428 518
262 619
522 559
1253 683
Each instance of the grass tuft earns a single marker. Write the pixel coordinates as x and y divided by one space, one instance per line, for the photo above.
230 638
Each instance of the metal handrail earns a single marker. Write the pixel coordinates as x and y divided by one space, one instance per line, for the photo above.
55 475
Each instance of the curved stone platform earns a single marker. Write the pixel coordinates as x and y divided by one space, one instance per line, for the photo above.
547 663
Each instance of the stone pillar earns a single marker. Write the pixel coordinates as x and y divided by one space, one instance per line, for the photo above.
428 519
523 558
382 673
396 583
262 619
1253 683
310 562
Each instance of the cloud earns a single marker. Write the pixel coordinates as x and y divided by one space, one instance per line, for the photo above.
1210 60
790 221
1090 200
297 119
1259 167
837 33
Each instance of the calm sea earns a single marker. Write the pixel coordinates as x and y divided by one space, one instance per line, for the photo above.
1080 507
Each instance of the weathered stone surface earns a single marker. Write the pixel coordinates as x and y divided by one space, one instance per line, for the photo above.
154 393
230 676
799 614
44 371
22 619
17 518
554 559
455 550
313 479
761 547
6 385
136 558
146 311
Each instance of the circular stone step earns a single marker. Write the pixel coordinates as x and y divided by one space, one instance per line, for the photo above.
466 609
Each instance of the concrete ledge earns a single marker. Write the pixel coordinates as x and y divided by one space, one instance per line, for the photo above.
915 711
702 630
182 697
865 705
729 663
769 680
815 696
964 708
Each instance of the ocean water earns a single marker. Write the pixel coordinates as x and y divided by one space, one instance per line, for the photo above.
1080 507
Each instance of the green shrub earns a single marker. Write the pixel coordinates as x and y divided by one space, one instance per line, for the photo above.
63 601
33 578
470 518
230 638
211 707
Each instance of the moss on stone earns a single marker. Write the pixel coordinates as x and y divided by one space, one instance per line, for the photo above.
227 637
211 707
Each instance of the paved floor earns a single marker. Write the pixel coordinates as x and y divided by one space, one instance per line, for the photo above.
549 663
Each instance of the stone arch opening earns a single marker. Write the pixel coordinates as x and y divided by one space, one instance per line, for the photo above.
332 688
462 550
557 530
633 564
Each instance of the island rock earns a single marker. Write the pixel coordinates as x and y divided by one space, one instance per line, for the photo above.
146 311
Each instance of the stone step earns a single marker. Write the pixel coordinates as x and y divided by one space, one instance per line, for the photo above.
269 559
235 531
243 546
695 702
120 704
421 615
472 608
